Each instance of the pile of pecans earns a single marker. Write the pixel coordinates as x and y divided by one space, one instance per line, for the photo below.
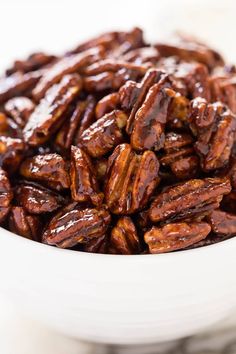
119 146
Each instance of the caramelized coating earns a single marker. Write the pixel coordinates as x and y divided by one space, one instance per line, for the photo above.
11 153
84 186
34 61
6 195
107 104
131 179
175 236
50 169
49 113
222 223
19 108
69 228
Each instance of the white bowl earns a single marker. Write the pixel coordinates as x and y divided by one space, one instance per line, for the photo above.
120 299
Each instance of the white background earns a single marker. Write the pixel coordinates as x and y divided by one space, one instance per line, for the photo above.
55 26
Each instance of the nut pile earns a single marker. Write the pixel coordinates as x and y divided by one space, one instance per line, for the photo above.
119 146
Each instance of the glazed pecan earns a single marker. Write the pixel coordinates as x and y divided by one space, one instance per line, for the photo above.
107 104
103 135
97 245
79 120
6 194
84 186
178 113
36 199
24 224
19 108
124 238
131 179
142 55
100 166
48 115
50 169
66 65
215 127
69 228
222 223
11 152
175 236
34 61
194 197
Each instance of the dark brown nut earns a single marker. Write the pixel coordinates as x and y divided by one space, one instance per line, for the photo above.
64 66
24 224
36 199
34 61
84 186
190 198
80 119
49 113
189 49
97 245
50 169
186 167
107 104
6 194
11 153
131 179
17 84
19 108
229 202
223 88
215 127
100 166
124 238
142 55
175 236
222 223
112 65
178 112
69 228
103 135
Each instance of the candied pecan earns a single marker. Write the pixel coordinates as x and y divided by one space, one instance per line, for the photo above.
69 228
6 194
11 152
107 104
84 186
17 84
24 224
66 65
190 198
50 169
186 167
34 61
215 127
175 236
19 108
223 88
80 119
97 245
124 238
49 113
112 65
36 199
131 179
189 49
178 112
103 135
229 202
100 166
142 55
222 223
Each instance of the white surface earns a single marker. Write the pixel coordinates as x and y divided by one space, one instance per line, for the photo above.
54 26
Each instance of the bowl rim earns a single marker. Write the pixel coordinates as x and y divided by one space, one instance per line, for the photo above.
137 257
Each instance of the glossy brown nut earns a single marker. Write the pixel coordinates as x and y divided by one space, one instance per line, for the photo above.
36 199
113 65
69 228
186 167
19 108
131 179
24 224
64 66
50 169
107 104
100 166
34 61
6 194
97 245
84 185
142 55
178 112
222 223
11 153
175 236
124 238
103 135
190 198
49 113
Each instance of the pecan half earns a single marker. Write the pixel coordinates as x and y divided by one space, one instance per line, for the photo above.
34 61
49 113
124 238
24 224
142 55
175 236
19 108
97 245
11 152
84 186
131 179
222 223
103 135
69 228
50 169
190 198
6 194
107 104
